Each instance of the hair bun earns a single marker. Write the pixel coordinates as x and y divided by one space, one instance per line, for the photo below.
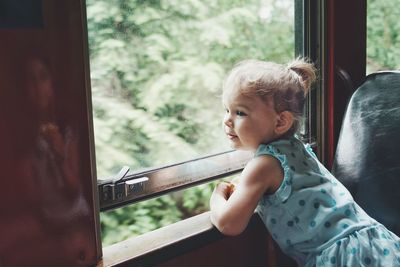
305 70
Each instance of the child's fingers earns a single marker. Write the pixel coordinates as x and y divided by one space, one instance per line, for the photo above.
231 189
222 185
225 188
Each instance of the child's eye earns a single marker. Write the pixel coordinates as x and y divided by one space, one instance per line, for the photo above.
240 113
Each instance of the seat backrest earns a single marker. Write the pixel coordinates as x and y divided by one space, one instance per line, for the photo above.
367 159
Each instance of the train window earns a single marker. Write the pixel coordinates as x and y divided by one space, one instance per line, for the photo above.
156 72
383 50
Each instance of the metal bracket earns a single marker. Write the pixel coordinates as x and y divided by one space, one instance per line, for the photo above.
120 188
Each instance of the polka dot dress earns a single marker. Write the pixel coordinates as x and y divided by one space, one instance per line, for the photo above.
315 220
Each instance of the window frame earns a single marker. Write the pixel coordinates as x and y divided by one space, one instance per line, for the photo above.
311 43
143 185
116 191
315 27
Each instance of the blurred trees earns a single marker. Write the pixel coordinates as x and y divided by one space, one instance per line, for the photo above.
157 68
383 35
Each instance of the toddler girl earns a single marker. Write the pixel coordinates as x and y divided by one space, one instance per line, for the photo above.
308 212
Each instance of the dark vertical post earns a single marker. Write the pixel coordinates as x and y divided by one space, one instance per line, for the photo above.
346 63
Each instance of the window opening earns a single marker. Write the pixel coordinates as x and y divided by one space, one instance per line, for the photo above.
157 69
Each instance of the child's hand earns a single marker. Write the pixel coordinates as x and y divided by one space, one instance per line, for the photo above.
231 188
225 189
232 185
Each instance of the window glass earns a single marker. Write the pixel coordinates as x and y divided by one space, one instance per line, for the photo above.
383 35
145 216
157 69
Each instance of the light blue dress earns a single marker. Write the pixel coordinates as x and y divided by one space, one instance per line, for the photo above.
315 220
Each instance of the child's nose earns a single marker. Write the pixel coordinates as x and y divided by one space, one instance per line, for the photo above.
228 120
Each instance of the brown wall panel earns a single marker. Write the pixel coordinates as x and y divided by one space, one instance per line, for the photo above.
48 204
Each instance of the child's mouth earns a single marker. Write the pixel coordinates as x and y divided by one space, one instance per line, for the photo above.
231 136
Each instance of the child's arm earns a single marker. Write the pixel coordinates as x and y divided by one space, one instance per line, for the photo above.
231 214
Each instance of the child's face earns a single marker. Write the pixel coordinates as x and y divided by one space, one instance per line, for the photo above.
249 121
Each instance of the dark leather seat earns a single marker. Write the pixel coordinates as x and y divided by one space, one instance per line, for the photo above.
367 159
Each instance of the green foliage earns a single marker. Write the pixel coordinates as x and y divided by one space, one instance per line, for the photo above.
383 35
156 70
137 219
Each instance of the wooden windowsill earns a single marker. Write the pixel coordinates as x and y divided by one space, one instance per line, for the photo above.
140 246
196 242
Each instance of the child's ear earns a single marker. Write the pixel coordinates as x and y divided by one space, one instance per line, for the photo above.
284 122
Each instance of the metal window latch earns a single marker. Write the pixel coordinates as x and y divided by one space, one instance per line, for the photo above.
121 174
120 188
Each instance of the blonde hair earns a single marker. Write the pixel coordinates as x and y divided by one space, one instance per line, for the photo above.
287 85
